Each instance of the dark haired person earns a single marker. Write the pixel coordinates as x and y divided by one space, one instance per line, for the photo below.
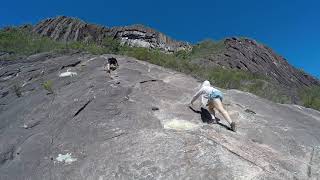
112 64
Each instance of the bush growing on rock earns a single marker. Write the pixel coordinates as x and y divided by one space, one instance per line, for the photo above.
311 97
20 42
48 85
111 45
207 48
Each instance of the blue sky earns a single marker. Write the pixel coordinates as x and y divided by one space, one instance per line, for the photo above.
289 27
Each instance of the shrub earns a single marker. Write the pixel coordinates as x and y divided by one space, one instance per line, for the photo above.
182 54
21 42
207 48
111 45
48 85
86 46
311 97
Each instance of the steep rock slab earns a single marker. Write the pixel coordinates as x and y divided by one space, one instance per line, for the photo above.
106 125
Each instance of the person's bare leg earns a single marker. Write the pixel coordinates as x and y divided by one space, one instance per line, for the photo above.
218 105
211 109
107 68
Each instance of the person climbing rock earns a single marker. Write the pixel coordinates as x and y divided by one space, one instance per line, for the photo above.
214 97
112 64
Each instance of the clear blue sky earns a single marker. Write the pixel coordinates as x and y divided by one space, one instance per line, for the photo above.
291 28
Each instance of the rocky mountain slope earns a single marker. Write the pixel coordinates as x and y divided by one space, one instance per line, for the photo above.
238 53
246 54
136 125
72 29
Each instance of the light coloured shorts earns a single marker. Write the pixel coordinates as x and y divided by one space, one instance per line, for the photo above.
215 94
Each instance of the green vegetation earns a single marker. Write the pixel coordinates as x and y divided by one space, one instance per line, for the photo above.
223 78
48 85
22 43
207 48
311 97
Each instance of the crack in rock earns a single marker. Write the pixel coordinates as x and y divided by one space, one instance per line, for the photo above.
32 70
71 65
4 94
31 124
151 80
115 136
235 153
310 163
10 73
82 108
249 111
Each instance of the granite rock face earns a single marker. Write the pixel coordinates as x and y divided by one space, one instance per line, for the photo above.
96 126
248 55
72 29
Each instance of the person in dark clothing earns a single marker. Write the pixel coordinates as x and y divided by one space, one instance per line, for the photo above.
112 64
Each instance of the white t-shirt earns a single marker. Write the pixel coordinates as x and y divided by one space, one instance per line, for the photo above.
205 91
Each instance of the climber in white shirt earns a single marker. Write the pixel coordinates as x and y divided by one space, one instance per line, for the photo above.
214 97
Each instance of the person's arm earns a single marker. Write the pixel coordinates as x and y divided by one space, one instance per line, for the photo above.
196 96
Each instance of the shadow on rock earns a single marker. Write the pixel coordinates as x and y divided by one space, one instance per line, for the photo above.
207 118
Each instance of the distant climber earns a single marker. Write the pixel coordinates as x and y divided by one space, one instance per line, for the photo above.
214 97
112 64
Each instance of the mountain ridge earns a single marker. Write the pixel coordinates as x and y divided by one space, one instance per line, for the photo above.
67 28
244 54
265 73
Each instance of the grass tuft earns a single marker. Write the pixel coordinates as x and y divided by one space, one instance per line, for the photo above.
48 85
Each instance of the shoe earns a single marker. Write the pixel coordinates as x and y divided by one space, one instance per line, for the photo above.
212 121
233 126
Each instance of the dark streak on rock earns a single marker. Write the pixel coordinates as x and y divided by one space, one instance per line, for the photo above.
12 72
249 111
151 80
4 94
71 65
32 124
118 135
33 70
155 108
82 108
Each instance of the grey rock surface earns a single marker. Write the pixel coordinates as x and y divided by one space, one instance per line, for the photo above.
73 29
99 127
